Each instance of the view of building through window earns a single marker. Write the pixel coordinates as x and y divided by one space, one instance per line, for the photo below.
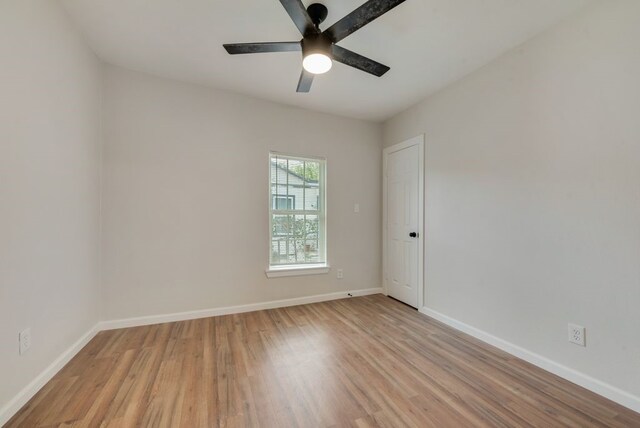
297 212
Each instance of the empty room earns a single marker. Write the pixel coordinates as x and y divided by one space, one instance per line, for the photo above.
323 213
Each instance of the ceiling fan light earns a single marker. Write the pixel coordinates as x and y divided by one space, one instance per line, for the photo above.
317 63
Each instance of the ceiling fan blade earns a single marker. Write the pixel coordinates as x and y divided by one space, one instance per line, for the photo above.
260 47
299 16
360 62
304 84
359 18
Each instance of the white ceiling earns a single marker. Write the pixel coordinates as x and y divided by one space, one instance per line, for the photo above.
427 43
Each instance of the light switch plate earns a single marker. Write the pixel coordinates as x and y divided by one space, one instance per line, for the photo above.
24 339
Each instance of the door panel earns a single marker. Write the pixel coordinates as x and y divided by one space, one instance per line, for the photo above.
402 175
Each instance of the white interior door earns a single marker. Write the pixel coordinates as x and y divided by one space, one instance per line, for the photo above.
403 209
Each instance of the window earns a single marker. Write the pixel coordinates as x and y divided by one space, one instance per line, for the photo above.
297 212
283 202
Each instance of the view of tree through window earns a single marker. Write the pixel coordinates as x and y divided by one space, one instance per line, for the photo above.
309 170
297 210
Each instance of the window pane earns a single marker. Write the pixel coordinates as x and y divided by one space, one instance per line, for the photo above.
280 234
279 176
310 238
281 225
311 184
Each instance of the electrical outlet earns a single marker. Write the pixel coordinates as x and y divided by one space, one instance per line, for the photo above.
24 339
356 208
339 274
577 334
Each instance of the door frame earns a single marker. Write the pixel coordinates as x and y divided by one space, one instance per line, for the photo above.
415 141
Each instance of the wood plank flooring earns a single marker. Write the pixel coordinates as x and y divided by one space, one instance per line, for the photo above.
362 362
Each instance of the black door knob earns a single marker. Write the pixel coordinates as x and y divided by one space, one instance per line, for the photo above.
413 235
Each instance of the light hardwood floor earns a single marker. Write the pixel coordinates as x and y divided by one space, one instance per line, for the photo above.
366 361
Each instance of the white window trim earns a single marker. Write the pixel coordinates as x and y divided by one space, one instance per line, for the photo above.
297 270
277 271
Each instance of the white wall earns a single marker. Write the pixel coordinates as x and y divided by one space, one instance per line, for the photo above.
185 196
49 188
533 194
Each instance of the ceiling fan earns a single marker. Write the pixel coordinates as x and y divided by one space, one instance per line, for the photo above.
319 47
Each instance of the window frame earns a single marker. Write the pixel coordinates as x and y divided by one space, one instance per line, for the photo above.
295 269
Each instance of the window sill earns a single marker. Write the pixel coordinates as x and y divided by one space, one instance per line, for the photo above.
291 270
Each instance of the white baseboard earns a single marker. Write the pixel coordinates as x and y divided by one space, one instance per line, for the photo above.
16 403
205 313
601 388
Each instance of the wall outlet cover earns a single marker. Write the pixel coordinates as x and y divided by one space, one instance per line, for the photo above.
577 334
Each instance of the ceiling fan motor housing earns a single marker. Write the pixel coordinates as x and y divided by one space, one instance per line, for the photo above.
316 44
